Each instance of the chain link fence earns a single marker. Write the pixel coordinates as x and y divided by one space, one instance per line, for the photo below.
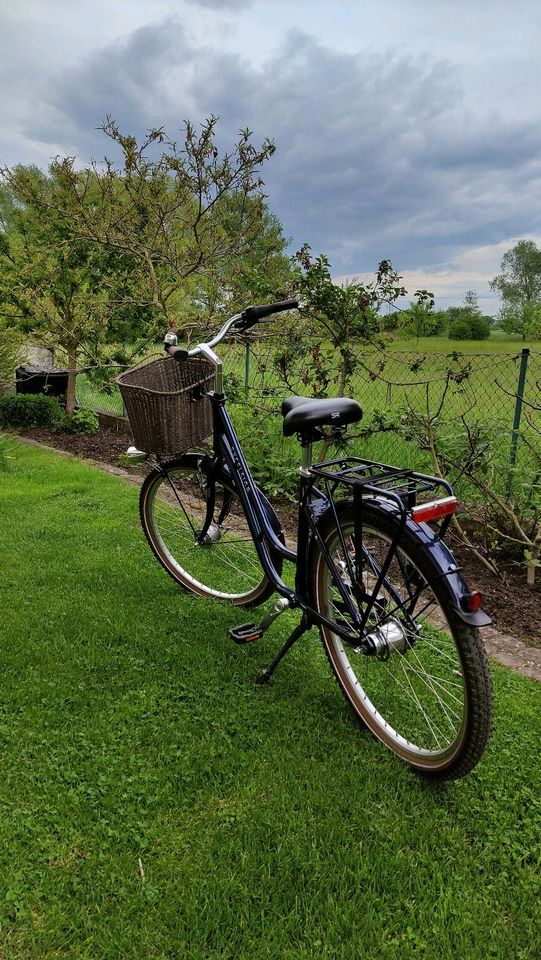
100 397
466 403
410 400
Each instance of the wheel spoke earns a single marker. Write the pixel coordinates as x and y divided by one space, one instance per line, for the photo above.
429 721
428 681
412 696
407 691
225 565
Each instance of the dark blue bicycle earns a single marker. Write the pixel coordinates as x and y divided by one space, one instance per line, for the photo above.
397 620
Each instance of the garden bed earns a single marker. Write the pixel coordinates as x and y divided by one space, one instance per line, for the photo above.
513 605
105 445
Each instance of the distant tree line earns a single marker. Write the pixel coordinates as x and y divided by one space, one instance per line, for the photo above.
519 286
458 323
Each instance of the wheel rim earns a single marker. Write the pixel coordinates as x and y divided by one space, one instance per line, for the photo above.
226 567
414 700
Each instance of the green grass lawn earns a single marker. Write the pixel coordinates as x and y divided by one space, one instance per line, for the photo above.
267 824
498 342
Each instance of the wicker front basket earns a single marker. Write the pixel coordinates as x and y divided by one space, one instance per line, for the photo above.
166 404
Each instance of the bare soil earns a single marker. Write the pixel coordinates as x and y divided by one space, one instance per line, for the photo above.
514 607
104 445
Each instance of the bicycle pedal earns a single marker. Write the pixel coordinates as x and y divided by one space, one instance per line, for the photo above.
245 633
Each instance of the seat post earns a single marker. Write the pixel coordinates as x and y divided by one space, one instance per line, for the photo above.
306 459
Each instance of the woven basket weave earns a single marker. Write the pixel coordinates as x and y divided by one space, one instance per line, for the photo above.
166 404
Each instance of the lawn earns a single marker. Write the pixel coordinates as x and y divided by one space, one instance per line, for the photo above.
155 803
498 342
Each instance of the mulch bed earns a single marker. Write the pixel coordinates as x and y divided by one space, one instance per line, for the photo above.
105 445
514 607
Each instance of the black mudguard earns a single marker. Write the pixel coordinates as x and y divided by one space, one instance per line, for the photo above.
451 576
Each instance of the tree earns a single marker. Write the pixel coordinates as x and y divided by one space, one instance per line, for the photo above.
478 324
524 319
322 349
105 253
420 320
50 280
471 303
9 353
263 272
180 212
344 314
519 284
467 322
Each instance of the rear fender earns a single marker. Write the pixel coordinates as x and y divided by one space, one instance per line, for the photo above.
452 580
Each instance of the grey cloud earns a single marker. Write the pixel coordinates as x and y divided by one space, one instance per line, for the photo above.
377 156
222 4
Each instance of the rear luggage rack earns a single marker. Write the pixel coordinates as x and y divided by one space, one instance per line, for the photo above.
402 487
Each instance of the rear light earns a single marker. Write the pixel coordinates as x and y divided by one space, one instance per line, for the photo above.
472 601
434 509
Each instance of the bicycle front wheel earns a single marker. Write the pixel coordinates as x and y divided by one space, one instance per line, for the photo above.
427 693
173 507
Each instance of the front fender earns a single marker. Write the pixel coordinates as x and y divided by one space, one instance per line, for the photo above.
223 476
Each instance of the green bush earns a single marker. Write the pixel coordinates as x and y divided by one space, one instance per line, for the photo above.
460 330
30 410
82 421
480 327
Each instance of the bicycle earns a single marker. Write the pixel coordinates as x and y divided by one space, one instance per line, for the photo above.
399 624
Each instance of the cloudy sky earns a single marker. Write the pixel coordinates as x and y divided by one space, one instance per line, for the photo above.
405 129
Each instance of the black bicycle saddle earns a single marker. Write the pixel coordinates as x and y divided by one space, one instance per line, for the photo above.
302 414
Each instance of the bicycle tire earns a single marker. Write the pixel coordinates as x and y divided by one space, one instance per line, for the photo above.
172 507
430 700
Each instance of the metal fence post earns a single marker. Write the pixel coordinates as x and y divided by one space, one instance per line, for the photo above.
246 368
518 413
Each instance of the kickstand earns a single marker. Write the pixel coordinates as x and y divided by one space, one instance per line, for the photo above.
267 673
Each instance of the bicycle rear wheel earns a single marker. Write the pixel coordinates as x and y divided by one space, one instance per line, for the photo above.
173 506
427 694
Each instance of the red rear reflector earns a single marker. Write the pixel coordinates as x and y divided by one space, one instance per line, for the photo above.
472 601
434 509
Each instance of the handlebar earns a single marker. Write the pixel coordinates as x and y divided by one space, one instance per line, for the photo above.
240 321
178 353
253 314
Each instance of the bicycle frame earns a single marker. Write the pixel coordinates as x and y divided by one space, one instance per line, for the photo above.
229 460
366 479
